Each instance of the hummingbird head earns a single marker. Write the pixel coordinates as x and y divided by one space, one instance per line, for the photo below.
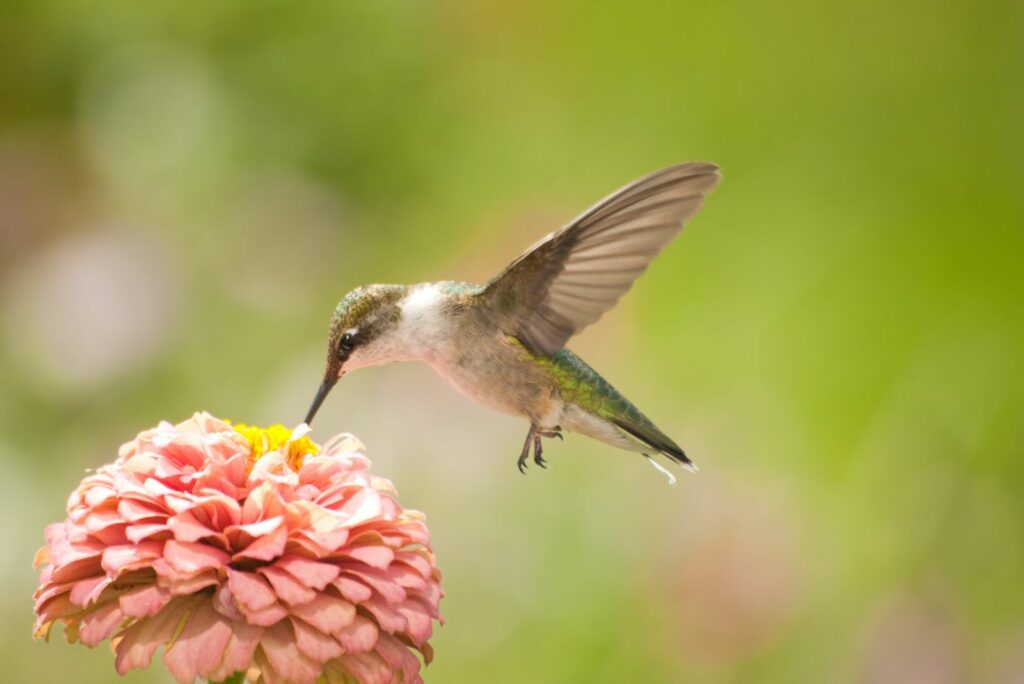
361 334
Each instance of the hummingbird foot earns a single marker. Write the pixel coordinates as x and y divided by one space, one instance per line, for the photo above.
538 446
534 439
530 437
538 450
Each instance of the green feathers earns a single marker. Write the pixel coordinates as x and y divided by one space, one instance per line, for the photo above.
581 385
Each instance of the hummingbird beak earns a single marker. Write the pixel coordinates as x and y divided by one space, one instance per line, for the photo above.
321 394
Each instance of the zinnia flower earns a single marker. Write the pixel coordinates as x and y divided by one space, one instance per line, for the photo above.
243 550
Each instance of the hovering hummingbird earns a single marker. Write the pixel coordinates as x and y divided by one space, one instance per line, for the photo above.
503 343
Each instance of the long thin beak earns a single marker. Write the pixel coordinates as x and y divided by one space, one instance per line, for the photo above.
321 394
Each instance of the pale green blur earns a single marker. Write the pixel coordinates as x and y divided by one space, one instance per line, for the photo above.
187 189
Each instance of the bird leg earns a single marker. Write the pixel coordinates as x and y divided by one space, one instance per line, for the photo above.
526 448
533 439
538 451
553 432
538 447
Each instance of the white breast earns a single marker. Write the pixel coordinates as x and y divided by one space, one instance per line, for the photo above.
423 327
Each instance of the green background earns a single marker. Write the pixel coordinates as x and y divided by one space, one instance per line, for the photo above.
186 189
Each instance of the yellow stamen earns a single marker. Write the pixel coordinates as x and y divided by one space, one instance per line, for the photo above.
276 438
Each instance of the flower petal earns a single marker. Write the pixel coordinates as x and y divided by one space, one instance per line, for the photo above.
359 636
314 644
144 601
327 613
193 557
250 590
287 588
141 639
200 647
238 653
310 572
266 547
99 623
278 643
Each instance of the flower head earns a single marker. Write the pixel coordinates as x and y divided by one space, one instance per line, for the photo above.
243 549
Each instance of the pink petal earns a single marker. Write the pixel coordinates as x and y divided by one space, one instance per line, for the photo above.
98 624
225 604
287 588
375 556
182 586
398 657
379 581
327 613
88 591
369 668
267 547
142 532
55 608
99 520
419 621
117 559
314 644
266 617
278 643
359 636
144 601
262 503
47 591
199 649
238 654
77 570
136 510
309 572
55 533
142 638
321 544
352 589
389 619
317 519
261 527
406 577
191 557
250 590
415 561
187 529
363 506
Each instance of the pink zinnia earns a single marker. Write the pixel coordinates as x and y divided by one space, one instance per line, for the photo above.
243 551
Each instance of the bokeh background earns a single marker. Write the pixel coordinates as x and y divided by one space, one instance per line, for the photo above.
186 189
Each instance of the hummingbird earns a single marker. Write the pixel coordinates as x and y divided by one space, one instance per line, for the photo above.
502 344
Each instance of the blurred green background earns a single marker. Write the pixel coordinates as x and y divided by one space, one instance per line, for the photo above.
186 189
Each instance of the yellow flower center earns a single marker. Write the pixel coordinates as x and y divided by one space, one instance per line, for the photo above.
276 438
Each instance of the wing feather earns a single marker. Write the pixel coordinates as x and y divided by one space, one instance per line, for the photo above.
570 278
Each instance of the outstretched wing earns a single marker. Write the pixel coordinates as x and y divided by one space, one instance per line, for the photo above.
569 279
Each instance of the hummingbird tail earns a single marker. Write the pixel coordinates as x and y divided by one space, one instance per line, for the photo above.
657 440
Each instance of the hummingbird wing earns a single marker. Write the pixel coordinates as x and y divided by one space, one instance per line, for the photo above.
570 278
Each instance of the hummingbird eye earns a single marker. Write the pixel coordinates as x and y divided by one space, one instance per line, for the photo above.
346 343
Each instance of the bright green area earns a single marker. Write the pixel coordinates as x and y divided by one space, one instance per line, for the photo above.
187 189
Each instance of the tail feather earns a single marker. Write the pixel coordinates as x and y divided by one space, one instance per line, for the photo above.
653 437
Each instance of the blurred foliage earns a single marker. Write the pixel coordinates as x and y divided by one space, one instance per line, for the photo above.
186 189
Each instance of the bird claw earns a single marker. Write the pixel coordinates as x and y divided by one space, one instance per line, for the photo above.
533 439
521 463
555 432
